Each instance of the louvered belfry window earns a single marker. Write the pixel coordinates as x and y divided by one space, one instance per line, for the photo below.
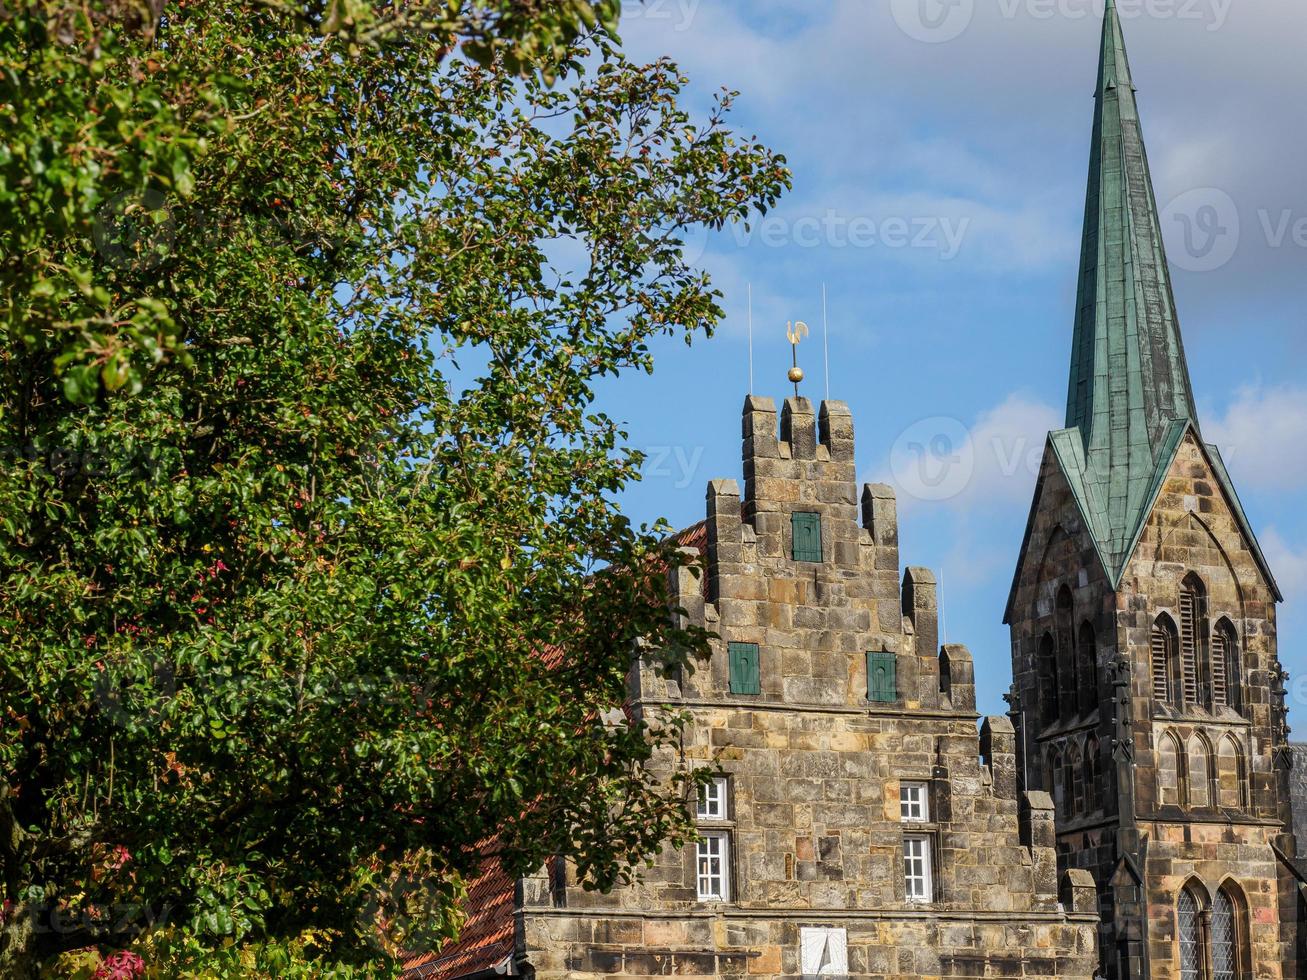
1220 688
1226 671
1164 679
1189 625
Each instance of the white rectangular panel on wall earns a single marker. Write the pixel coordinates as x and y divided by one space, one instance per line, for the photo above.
824 952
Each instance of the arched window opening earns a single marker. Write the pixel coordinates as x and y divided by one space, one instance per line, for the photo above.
1087 668
1076 772
1189 931
1066 654
1200 772
1166 666
1227 672
1229 936
1168 771
1230 779
1048 680
1056 779
1193 617
1093 791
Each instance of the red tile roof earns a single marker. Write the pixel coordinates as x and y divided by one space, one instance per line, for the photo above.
487 937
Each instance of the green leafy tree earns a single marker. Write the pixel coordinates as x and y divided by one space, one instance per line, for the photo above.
312 589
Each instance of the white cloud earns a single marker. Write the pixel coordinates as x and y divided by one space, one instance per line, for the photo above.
1262 435
1289 566
991 464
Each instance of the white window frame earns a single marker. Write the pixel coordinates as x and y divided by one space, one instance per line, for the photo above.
918 873
713 884
713 800
914 802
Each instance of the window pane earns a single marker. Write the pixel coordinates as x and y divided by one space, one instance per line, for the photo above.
916 869
712 865
1223 938
712 800
914 801
1190 952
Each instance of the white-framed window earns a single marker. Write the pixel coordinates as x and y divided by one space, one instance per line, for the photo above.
712 800
713 862
918 882
914 802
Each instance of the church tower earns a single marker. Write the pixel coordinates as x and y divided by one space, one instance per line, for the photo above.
1148 697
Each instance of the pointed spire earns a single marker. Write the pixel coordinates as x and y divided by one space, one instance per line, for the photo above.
1129 380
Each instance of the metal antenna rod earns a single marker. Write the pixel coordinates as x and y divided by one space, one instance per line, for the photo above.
825 338
751 338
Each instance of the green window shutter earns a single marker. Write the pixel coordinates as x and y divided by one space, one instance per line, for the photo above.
807 536
745 677
882 678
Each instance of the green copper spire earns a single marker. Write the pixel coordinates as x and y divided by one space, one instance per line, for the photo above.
1129 381
1130 405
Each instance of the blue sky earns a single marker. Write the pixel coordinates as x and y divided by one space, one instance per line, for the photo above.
940 150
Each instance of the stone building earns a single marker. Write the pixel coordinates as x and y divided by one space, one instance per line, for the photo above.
1130 817
863 827
1147 693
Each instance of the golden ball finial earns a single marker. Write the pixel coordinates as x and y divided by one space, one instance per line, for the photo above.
796 375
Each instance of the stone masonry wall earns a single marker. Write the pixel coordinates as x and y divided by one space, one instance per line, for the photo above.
814 767
1210 832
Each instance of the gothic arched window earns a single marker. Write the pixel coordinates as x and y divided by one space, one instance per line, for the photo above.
1093 791
1087 668
1193 619
1168 770
1227 671
1190 932
1048 680
1200 771
1057 780
1076 775
1230 779
1166 665
1066 653
1229 935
